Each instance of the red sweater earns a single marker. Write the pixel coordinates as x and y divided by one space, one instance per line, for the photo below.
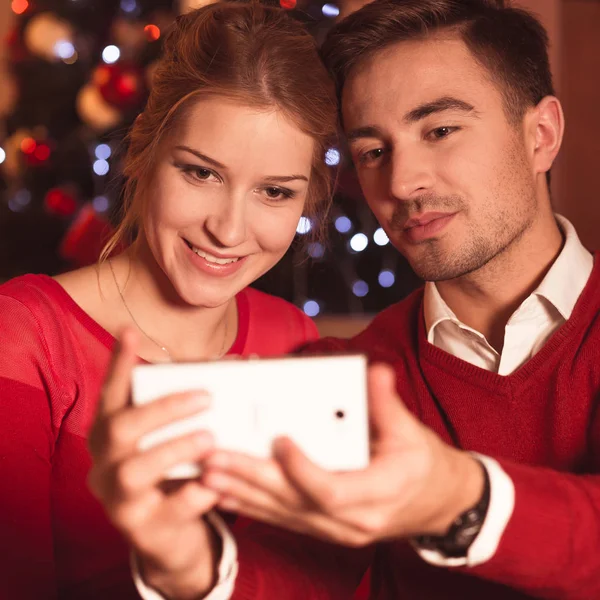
541 423
55 541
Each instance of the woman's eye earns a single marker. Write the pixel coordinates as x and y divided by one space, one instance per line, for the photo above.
202 173
275 193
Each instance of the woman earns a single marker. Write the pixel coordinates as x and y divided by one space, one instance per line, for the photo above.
224 160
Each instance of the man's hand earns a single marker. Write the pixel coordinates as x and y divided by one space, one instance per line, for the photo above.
415 483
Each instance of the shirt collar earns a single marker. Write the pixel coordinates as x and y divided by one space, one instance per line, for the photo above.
562 285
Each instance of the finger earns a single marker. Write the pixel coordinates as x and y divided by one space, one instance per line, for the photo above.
190 501
391 421
307 523
256 472
116 389
119 436
232 486
140 473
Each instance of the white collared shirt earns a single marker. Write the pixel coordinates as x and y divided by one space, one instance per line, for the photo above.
528 329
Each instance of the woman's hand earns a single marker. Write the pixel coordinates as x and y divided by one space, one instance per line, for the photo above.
177 550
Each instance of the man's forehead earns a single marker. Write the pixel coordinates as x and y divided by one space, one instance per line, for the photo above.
408 74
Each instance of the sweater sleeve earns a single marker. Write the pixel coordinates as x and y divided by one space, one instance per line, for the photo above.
275 564
26 446
550 548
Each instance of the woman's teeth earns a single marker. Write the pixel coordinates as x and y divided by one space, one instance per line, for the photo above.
212 259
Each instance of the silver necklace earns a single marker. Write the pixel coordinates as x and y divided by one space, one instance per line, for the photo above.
170 357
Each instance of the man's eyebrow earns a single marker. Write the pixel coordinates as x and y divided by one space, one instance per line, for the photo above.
436 106
364 132
416 114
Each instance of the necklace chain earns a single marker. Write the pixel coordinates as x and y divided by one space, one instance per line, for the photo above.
163 348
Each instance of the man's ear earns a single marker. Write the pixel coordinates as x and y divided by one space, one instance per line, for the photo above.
545 128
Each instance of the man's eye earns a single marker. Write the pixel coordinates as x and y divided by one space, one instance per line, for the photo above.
441 132
371 155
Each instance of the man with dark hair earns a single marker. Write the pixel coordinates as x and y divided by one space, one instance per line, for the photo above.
492 488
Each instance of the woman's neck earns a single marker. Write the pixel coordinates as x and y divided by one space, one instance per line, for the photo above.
150 303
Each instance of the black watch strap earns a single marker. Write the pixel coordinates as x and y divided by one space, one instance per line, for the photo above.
463 531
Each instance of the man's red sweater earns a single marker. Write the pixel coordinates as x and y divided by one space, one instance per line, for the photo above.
542 425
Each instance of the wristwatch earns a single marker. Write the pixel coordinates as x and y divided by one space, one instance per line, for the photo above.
463 531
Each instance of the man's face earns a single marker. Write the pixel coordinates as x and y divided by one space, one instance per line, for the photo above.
448 177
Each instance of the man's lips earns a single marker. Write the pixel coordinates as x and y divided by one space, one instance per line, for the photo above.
424 219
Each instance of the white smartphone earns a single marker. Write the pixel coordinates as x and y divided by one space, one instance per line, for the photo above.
320 402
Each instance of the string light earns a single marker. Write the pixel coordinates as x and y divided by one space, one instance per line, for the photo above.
111 54
386 278
380 237
359 242
360 288
311 308
101 167
103 151
332 157
304 226
343 224
330 10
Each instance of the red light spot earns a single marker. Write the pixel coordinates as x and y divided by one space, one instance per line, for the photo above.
42 152
152 32
288 4
19 6
28 145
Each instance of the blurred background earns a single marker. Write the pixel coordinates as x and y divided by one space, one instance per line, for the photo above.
74 74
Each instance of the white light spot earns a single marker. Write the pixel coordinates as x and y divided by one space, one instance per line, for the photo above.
304 225
360 288
380 237
64 49
332 157
359 242
386 278
343 224
2 155
330 10
103 151
110 54
100 204
311 308
101 167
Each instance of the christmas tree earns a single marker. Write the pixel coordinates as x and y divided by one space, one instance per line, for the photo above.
80 71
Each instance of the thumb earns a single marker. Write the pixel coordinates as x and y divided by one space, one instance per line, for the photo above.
389 418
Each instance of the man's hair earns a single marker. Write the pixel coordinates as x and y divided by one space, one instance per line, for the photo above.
510 43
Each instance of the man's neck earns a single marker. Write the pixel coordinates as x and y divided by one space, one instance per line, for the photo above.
487 298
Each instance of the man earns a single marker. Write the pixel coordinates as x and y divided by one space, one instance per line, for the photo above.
494 489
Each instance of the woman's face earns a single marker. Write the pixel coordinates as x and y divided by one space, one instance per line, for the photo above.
225 199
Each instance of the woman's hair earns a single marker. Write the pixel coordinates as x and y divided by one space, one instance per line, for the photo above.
256 55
